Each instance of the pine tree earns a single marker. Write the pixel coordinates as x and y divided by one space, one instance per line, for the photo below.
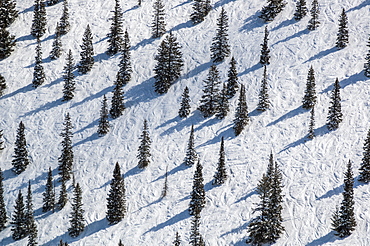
184 110
232 79
57 45
169 64
2 86
120 243
52 2
64 25
115 39
311 129
8 13
77 220
301 10
20 161
49 195
191 155
197 16
220 47
365 165
367 58
7 43
19 226
38 73
314 22
1 140
209 103
221 175
264 102
87 59
310 98
165 185
345 223
241 115
69 77
3 217
158 24
125 70
265 51
198 196
66 159
63 197
177 241
61 243
335 115
272 9
196 238
117 105
342 36
223 104
116 201
103 127
144 148
30 220
38 28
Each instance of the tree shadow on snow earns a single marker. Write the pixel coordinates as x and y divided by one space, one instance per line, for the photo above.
328 238
143 43
340 189
187 24
321 54
227 132
24 89
222 3
283 24
25 38
177 218
91 138
297 111
237 231
133 171
297 35
249 194
360 6
100 57
251 69
179 168
7 241
93 96
29 9
182 4
198 69
130 9
91 125
143 92
354 78
252 22
187 122
55 82
45 107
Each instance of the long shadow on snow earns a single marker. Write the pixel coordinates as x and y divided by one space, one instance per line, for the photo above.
57 81
25 38
100 57
24 89
91 138
133 171
142 92
187 24
289 115
91 125
251 69
249 194
7 241
181 216
130 9
197 70
182 4
9 174
328 238
44 61
187 122
354 78
176 169
252 22
228 134
209 186
283 24
363 4
222 3
45 107
94 96
321 54
143 42
298 34
237 231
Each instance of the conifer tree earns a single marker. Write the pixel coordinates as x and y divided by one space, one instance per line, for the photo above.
125 70
196 238
7 43
177 241
220 47
201 8
223 104
365 165
191 155
1 140
52 2
264 102
117 104
38 28
2 85
103 127
342 35
221 175
63 196
265 51
87 59
158 24
120 243
115 39
209 103
20 161
301 10
144 148
77 220
310 98
314 22
8 13
198 196
169 64
69 77
61 243
66 159
367 63
232 79
335 115
64 25
19 226
30 220
311 129
38 72
49 195
272 9
116 201
3 217
344 221
57 45
241 115
184 110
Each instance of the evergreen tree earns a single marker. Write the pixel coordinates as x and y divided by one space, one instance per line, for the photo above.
1 140
117 105
57 45
220 47
2 86
158 24
265 51
232 79
144 148
64 25
272 9
87 59
310 98
367 63
184 110
365 165
38 28
209 104
7 43
201 8
196 238
115 39
344 221
301 10
61 243
191 155
63 197
103 127
19 226
116 201
77 220
264 102
223 104
165 185
314 22
198 196
241 115
49 195
221 175
177 241
342 36
8 13
120 242
30 220
52 2
66 159
125 70
335 115
69 77
38 72
3 217
311 129
20 161
169 64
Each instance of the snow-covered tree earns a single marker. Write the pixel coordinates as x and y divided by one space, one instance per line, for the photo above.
314 22
56 50
191 155
365 165
221 175
103 127
311 128
66 159
232 79
125 70
117 104
198 194
63 196
209 103
158 24
64 25
8 13
77 221
220 47
3 217
30 219
201 8
184 110
264 102
38 72
367 63
223 108
7 43
310 98
265 51
335 115
177 241
20 161
116 201
49 194
115 39
144 148
87 53
342 35
69 78
272 9
19 226
301 10
2 86
241 115
38 28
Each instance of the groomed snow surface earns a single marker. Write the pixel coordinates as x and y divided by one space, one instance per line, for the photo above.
312 169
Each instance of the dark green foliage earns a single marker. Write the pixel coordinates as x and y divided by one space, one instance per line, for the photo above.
125 70
241 114
69 78
61 243
38 28
8 13
342 35
301 10
103 127
57 45
116 201
165 185
221 175
64 25
117 104
7 43
191 155
158 24
344 221
311 129
52 2
367 63
66 159
1 140
314 22
38 72
30 220
365 165
198 196
232 79
220 47
144 148
87 59
335 115
184 110
77 220
310 98
201 8
209 103
223 108
19 226
196 238
120 243
3 217
115 39
169 64
272 9
2 88
177 241
20 161
63 196
49 195
264 102
265 51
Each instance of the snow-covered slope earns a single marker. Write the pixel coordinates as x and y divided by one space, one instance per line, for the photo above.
312 170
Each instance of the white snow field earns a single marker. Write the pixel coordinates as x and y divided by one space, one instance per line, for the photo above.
312 169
